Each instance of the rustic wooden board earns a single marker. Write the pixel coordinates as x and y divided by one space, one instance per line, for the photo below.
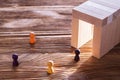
53 43
9 3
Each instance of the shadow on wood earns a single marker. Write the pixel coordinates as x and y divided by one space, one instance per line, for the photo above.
106 68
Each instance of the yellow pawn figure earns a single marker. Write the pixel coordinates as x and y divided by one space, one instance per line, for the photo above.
32 38
50 67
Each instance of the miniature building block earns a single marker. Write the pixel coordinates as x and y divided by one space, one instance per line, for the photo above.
50 67
97 19
32 38
77 52
15 60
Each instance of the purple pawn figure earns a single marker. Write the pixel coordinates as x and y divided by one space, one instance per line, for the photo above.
15 61
77 52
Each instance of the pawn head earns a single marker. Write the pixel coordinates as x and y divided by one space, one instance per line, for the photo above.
77 51
50 63
32 34
15 56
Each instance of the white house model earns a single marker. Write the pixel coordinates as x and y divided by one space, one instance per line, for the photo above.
97 19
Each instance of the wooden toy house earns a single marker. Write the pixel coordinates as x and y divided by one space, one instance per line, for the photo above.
97 19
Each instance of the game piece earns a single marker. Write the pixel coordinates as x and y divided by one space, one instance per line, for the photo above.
50 67
15 60
77 52
32 38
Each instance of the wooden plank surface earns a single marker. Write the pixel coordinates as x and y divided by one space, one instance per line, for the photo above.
9 3
53 35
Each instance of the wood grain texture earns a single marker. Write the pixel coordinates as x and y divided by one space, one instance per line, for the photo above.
52 43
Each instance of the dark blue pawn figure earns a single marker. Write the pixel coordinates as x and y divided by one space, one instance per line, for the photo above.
15 61
77 52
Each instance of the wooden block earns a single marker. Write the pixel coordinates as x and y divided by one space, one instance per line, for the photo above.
115 31
75 30
81 12
105 38
102 7
104 16
97 41
110 4
94 13
118 29
102 40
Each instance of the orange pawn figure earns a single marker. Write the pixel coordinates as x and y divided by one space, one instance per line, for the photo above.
32 38
50 67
